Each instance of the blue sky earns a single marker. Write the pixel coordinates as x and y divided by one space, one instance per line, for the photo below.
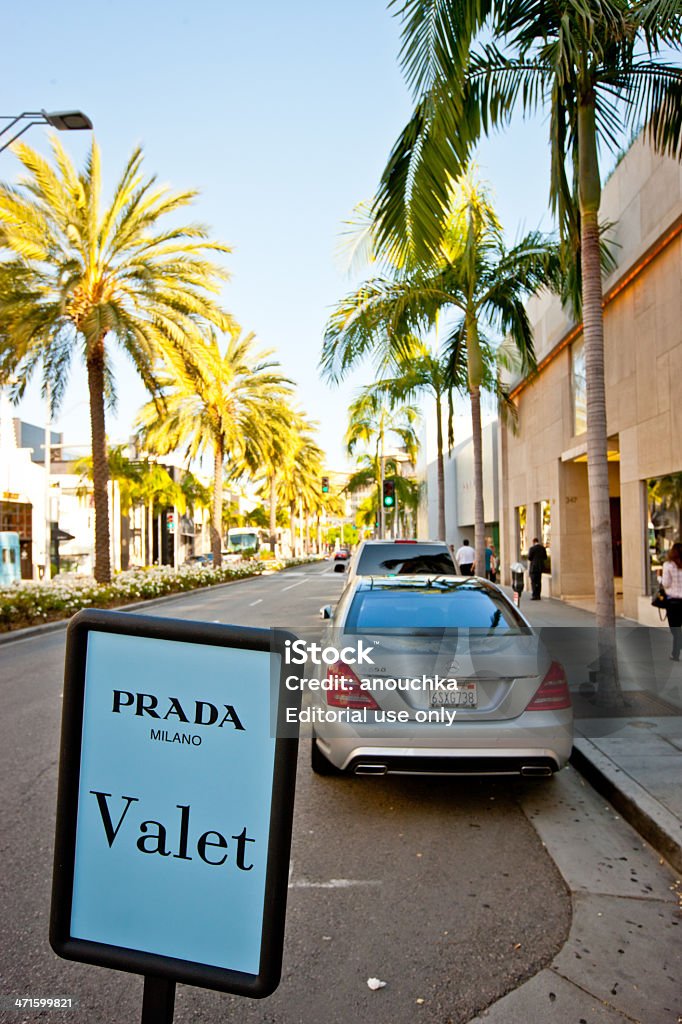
282 116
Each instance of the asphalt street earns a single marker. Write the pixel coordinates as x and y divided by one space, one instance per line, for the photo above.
440 888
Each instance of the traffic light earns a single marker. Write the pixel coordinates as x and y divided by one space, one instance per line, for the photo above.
389 493
170 522
325 485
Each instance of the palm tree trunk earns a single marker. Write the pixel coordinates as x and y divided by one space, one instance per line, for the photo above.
143 533
150 532
273 512
475 370
441 470
292 527
217 507
479 514
100 466
597 463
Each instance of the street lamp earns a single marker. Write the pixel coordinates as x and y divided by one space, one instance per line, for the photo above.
63 120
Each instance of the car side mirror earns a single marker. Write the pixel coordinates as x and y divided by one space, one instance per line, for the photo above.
326 612
339 567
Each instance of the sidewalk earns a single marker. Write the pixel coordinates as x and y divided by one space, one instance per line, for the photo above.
631 755
622 961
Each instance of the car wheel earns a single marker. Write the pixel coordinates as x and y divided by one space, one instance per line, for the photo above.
320 764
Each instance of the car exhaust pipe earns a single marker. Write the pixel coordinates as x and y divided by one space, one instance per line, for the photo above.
370 769
536 770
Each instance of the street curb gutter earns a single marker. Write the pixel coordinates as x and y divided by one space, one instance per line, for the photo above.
652 820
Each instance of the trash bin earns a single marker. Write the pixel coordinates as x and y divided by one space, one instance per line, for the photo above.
518 580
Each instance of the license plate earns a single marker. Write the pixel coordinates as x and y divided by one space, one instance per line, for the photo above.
465 696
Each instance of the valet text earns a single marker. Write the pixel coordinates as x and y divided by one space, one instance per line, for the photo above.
171 840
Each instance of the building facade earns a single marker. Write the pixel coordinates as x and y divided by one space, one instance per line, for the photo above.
543 466
51 508
458 473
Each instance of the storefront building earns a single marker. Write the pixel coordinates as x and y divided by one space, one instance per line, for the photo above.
458 474
543 466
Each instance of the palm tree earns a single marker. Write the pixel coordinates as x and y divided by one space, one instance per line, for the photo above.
367 475
473 276
282 439
196 496
300 485
372 418
327 504
222 402
138 482
75 275
593 64
156 491
418 369
123 472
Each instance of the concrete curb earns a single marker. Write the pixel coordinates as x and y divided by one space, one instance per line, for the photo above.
653 821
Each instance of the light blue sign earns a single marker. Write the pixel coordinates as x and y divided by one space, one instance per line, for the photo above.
174 799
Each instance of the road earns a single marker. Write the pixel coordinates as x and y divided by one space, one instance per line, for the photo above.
439 887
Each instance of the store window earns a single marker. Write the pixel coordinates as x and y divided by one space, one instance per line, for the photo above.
578 387
521 531
664 528
17 517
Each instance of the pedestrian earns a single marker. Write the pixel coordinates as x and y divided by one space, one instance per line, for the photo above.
537 556
672 584
490 560
465 559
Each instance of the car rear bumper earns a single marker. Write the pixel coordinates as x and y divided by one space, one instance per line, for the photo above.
513 748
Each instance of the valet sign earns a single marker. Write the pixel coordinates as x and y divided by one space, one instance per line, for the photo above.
175 802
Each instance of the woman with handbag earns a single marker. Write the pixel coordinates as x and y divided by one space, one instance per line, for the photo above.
672 584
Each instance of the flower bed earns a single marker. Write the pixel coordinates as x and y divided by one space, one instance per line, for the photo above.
29 604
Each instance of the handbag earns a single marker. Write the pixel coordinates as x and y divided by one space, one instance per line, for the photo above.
660 600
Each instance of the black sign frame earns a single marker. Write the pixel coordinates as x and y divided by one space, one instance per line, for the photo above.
281 817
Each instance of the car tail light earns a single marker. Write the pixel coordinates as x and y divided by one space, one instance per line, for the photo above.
346 691
399 540
553 693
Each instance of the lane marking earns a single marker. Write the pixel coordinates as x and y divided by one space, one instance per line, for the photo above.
333 883
259 601
292 585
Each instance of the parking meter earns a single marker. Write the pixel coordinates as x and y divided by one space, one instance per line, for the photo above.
518 582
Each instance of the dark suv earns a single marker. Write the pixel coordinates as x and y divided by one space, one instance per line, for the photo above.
400 557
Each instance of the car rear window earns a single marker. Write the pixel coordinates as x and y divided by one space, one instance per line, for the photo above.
433 608
404 559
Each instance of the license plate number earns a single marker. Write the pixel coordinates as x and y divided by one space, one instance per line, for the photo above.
465 696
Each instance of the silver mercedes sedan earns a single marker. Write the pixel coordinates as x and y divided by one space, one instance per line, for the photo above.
435 674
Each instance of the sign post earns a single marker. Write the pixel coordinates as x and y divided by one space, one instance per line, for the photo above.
175 804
